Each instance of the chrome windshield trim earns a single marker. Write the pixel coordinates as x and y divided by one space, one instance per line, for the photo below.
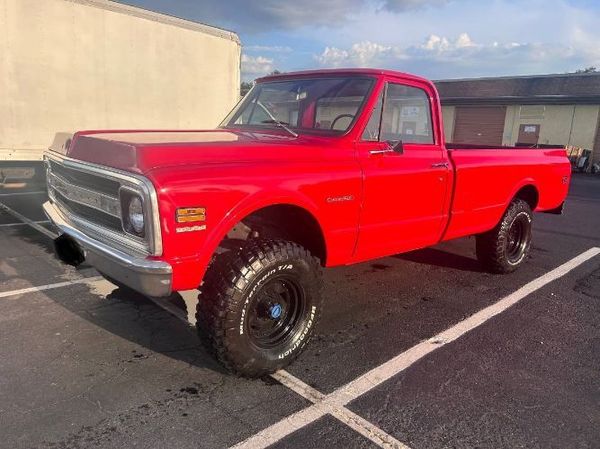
142 184
81 195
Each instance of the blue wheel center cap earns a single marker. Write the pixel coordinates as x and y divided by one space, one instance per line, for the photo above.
275 311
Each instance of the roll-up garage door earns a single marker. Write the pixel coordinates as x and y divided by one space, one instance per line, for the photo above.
481 125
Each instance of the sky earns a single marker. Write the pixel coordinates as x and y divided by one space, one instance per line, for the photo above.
438 39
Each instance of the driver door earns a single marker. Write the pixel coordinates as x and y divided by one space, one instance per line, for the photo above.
405 190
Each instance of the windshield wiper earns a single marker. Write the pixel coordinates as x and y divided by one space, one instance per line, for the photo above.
281 124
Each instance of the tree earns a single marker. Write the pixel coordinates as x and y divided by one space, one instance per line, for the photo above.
590 69
245 87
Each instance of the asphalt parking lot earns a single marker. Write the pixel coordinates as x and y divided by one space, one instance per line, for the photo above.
421 350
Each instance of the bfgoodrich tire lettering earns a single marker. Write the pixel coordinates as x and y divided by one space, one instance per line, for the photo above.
505 248
258 307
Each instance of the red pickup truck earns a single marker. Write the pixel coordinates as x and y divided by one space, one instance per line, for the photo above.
311 169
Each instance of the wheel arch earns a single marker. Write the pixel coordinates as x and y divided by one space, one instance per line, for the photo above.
286 209
527 192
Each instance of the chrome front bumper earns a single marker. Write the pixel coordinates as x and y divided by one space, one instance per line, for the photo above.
149 277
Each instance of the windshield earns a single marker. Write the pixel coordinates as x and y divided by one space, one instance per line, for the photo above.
321 105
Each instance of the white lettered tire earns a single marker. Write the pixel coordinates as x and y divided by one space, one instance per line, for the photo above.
258 307
506 247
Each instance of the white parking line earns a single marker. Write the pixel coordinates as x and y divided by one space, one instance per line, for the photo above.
22 193
40 288
344 415
8 225
351 419
334 403
27 221
367 429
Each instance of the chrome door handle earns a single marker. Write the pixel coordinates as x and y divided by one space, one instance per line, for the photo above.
440 165
387 150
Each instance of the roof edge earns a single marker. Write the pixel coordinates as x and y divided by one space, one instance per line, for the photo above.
356 71
517 77
167 19
522 100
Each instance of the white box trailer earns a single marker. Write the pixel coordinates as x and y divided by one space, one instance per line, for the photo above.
92 64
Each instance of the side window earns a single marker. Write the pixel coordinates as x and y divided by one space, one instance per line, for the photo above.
371 132
406 115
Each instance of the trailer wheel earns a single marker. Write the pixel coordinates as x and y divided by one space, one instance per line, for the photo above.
258 307
505 248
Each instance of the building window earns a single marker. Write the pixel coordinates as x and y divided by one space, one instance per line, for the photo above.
532 112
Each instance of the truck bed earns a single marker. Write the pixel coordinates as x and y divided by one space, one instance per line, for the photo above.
488 177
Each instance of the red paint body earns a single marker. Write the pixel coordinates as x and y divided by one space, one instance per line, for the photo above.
399 202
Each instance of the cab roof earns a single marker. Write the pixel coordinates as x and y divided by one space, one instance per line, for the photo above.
348 71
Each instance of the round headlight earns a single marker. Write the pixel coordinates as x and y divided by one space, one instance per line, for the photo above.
136 215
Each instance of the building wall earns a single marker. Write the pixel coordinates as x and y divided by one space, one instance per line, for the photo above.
596 153
559 124
448 115
92 64
575 125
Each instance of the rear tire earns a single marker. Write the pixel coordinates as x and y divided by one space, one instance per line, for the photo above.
505 248
258 306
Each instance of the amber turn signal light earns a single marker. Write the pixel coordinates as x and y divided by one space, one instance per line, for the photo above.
190 214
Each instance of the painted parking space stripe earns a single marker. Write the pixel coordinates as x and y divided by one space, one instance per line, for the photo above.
351 419
335 402
22 193
367 429
344 415
306 416
27 221
8 225
40 288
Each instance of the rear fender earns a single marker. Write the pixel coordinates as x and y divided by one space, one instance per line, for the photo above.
524 183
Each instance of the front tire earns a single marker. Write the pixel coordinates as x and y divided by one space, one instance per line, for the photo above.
505 248
258 306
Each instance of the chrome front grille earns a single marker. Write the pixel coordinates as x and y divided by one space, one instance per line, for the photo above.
90 199
88 196
84 179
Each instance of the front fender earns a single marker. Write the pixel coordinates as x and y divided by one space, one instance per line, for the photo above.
191 253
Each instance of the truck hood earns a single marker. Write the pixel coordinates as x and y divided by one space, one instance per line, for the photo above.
142 151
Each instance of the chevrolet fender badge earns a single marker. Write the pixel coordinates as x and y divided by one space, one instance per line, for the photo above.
339 199
190 229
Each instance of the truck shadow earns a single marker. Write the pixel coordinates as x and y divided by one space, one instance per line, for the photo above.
441 258
136 318
121 312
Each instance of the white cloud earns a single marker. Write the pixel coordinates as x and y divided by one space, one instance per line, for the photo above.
334 57
406 5
362 54
256 65
268 48
441 46
441 56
